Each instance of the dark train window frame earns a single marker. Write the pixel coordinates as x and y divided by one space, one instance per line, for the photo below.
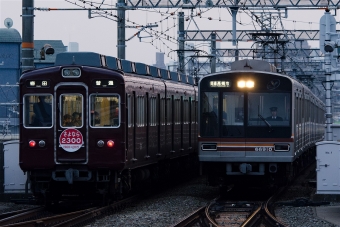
93 109
72 112
30 106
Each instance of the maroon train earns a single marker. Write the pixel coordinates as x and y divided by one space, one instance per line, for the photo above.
98 125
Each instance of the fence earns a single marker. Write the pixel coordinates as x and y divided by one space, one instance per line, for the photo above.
9 121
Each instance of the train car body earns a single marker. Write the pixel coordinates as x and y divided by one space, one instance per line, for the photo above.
239 139
97 125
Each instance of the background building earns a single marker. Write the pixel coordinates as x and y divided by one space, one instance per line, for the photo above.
73 47
160 60
10 54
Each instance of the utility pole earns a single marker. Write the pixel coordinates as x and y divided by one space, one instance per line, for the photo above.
121 29
328 40
27 52
180 52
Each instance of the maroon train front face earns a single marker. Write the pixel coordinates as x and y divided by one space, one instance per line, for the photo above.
76 117
89 129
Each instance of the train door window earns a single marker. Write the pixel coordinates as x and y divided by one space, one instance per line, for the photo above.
186 111
232 108
192 110
104 110
169 110
269 109
71 110
210 114
177 110
162 110
140 118
153 109
38 110
130 110
232 114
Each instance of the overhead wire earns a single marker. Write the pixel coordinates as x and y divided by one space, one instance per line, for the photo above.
163 37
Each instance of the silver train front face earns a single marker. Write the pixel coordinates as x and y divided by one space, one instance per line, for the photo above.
255 122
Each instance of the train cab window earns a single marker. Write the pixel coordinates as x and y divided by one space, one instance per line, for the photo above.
104 110
38 110
210 114
269 109
71 114
233 114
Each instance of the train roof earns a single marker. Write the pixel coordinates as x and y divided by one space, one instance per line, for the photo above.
98 60
79 58
252 64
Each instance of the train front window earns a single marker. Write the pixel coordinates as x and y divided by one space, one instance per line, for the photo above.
38 110
222 116
104 110
233 110
269 109
209 117
71 110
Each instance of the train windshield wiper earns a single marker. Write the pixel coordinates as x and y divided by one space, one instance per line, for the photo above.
267 123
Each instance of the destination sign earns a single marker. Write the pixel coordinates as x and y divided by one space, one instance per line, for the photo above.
219 83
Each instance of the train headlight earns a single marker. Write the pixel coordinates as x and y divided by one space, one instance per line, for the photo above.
241 84
32 143
250 84
66 72
244 83
76 72
71 72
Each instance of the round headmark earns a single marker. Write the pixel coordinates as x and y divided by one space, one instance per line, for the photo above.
71 140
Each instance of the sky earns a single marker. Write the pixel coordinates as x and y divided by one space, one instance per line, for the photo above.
100 34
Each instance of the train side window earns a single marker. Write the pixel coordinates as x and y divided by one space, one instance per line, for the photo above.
105 110
38 110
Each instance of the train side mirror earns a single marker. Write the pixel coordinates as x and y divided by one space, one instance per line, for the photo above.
47 49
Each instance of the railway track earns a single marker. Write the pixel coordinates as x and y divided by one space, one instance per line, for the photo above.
224 213
41 217
221 213
242 213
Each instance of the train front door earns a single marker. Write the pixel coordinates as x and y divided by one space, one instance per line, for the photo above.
71 123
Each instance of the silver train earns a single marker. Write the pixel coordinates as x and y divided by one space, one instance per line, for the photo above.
256 125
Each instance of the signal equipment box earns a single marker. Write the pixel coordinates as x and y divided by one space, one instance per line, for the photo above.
328 167
15 178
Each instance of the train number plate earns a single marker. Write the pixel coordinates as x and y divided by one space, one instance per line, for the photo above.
263 148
